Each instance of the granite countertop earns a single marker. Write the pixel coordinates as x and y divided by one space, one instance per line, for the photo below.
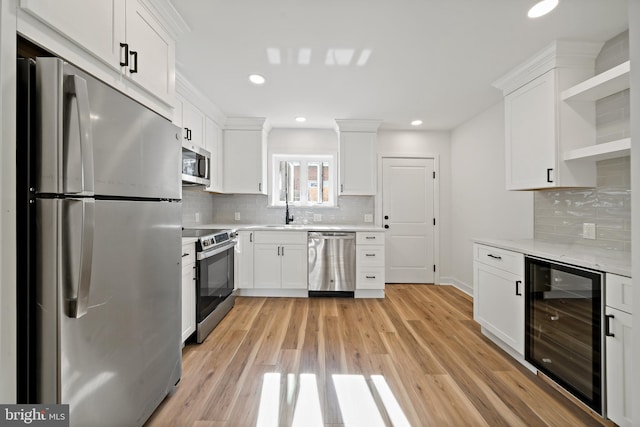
582 256
292 227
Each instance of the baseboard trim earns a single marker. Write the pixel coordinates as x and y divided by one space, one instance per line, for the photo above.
458 284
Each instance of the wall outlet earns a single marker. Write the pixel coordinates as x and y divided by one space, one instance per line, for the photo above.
317 217
588 230
197 216
237 216
368 217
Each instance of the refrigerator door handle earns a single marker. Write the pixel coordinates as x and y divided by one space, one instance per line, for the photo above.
76 86
77 294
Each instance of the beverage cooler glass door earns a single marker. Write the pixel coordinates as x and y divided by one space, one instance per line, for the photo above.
563 327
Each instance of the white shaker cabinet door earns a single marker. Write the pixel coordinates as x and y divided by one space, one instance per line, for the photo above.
244 162
619 366
267 266
101 35
294 266
358 163
530 114
188 302
151 52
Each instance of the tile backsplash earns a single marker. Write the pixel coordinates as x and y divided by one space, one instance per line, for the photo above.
559 215
200 207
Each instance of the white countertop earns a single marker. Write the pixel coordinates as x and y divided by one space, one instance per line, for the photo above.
582 256
292 227
189 240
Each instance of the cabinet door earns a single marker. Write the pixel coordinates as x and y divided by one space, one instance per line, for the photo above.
244 260
266 266
188 301
499 304
619 365
530 114
358 163
101 34
193 124
294 266
244 162
151 52
213 143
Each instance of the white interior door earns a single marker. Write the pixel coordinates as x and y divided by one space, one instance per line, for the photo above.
408 218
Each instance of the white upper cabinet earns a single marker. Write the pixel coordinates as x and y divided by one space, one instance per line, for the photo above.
358 156
244 150
151 52
193 123
540 126
213 144
123 34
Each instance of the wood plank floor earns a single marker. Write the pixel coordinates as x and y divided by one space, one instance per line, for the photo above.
420 340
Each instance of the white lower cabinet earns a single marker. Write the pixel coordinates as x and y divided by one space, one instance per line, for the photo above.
619 342
280 260
188 290
370 260
243 260
498 305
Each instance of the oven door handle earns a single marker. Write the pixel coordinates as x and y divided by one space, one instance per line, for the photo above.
216 251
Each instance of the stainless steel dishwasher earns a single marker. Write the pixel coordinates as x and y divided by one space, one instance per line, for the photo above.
332 263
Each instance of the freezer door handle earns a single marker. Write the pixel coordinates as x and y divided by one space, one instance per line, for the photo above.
76 87
78 222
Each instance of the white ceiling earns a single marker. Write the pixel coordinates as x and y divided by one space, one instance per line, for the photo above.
433 60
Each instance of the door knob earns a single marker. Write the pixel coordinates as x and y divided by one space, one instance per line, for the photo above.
386 217
386 226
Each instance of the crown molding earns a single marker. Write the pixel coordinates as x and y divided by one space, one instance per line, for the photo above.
171 18
357 125
558 54
185 89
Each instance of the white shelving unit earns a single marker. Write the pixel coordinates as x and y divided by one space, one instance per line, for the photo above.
597 87
604 84
604 151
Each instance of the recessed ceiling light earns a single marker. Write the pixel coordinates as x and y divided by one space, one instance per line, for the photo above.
542 8
301 119
256 79
416 123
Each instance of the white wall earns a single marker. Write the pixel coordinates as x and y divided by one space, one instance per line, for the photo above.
634 50
426 144
480 205
7 202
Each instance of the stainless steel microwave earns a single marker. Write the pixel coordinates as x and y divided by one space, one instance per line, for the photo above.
196 165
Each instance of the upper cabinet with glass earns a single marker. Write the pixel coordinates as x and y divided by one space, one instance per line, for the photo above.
540 126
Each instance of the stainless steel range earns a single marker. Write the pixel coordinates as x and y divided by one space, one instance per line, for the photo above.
214 277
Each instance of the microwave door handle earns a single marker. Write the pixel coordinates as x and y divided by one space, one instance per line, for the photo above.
76 86
77 261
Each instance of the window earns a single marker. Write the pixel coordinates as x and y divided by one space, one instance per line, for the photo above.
303 180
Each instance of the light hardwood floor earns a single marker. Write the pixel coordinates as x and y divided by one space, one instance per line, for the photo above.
421 339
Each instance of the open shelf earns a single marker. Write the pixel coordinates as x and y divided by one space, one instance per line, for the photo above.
604 84
604 151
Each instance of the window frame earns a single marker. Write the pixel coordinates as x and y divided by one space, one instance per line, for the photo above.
304 160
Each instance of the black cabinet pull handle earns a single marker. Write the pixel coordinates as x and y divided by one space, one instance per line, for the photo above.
549 175
386 226
134 68
371 277
189 132
607 325
494 256
386 217
125 63
518 283
184 255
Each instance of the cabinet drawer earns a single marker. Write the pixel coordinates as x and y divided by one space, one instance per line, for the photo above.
188 254
370 278
372 256
619 292
280 237
369 238
513 262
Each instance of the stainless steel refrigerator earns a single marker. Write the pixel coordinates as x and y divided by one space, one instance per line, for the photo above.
99 209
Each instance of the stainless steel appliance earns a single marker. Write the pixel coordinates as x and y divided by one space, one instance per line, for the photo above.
214 277
564 337
196 165
100 207
332 263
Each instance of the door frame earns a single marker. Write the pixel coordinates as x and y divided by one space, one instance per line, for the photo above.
436 200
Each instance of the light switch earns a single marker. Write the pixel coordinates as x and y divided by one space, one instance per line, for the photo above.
368 218
317 217
588 230
237 216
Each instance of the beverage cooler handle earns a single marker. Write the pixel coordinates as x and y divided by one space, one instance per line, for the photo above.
77 86
78 298
607 325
